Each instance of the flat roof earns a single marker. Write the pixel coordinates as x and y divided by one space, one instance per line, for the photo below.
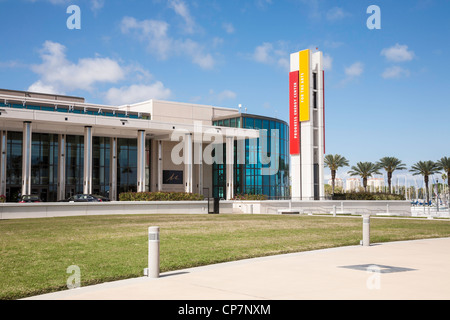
48 96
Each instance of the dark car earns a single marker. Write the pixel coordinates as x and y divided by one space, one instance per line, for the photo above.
87 198
34 198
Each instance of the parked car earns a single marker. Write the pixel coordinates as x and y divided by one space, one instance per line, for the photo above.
34 198
86 198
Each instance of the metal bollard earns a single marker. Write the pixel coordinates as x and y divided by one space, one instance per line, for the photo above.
153 253
366 230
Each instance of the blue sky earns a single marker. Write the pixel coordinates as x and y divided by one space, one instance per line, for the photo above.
387 91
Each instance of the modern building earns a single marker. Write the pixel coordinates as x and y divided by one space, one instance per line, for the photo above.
248 177
375 184
352 184
307 125
338 183
57 146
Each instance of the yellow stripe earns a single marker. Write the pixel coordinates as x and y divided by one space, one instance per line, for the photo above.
304 93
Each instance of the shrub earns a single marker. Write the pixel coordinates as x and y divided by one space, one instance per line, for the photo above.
159 196
250 197
2 199
367 196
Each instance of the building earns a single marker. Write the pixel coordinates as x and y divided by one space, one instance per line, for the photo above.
338 183
307 125
352 184
248 177
57 146
375 184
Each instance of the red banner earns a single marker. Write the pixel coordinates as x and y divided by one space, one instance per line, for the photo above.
294 124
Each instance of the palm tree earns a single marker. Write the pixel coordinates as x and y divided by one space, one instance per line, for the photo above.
364 170
334 162
425 168
444 165
390 164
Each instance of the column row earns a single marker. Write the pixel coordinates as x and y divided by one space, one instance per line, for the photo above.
60 172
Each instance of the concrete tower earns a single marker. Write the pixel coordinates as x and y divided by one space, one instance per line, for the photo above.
307 125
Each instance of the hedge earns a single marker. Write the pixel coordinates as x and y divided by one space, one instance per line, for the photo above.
159 196
367 196
250 197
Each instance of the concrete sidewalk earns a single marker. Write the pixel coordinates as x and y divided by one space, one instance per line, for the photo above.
417 269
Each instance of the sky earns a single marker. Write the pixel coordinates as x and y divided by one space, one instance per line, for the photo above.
387 91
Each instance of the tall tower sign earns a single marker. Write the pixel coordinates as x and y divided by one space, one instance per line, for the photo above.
307 125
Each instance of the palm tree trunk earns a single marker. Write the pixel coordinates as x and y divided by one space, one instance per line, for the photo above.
333 177
426 188
389 176
365 184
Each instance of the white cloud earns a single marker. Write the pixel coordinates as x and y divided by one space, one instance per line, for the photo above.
155 34
395 72
262 4
267 53
41 87
336 13
182 10
263 53
226 95
228 27
97 5
355 70
327 62
58 75
137 93
398 53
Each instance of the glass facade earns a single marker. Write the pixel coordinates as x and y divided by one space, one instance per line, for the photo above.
247 177
14 166
74 165
100 165
44 165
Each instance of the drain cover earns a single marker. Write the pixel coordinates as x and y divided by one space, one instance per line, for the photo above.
377 268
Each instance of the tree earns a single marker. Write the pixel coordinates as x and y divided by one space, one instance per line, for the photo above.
390 164
364 170
334 162
425 168
444 164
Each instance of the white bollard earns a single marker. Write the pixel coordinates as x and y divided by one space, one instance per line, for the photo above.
153 253
366 230
334 211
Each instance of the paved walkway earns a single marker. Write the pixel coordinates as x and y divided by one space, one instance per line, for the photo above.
397 270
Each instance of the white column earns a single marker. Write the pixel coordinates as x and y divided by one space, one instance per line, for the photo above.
141 161
160 163
198 160
61 192
3 155
230 167
113 169
87 177
26 158
296 159
188 162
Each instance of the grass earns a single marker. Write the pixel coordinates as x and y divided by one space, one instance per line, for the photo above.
35 253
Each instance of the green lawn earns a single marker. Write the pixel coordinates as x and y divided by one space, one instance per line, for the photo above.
35 253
